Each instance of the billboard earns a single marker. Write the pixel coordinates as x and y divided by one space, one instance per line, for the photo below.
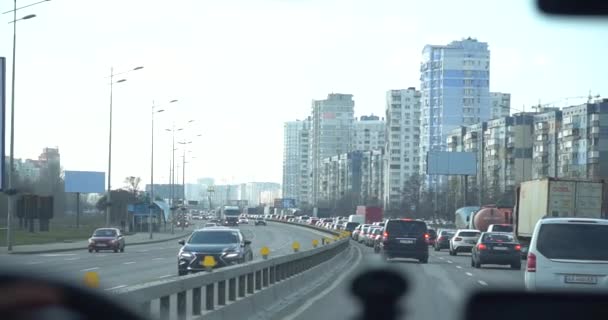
84 181
2 114
451 163
284 203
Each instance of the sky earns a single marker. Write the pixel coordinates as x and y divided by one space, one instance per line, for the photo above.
241 68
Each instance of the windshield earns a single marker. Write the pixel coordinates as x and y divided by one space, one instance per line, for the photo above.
399 227
468 234
573 241
232 212
104 233
214 237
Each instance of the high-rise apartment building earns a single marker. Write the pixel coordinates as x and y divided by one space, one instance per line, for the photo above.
331 133
455 82
401 151
547 126
369 133
296 171
500 104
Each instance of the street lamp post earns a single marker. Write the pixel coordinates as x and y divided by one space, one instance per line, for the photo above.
10 188
152 165
108 199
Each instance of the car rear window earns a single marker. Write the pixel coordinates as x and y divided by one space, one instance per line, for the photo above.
447 233
573 241
468 234
399 227
489 237
502 228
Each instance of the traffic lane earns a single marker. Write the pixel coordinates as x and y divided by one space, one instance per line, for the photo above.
146 263
495 276
437 290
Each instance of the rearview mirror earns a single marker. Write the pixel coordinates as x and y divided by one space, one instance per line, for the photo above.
573 7
247 242
182 242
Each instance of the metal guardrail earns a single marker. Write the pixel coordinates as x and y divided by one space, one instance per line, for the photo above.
198 294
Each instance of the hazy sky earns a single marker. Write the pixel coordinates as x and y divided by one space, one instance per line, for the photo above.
242 68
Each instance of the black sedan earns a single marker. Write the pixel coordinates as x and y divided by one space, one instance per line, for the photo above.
107 239
260 222
443 239
227 246
496 248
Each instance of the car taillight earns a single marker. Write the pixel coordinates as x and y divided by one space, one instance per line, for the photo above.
517 247
458 239
531 267
426 236
481 246
385 235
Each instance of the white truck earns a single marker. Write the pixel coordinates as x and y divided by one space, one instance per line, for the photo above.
356 218
551 197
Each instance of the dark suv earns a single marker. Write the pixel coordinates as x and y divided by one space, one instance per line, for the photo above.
405 238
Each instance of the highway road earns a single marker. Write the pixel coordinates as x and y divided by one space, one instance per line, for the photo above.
145 263
438 290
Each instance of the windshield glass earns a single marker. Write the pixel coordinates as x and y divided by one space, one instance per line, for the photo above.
214 237
468 234
573 241
104 233
400 227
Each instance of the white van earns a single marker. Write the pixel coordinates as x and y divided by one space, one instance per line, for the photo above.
568 253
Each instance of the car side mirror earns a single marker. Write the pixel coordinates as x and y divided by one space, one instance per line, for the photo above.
247 242
182 242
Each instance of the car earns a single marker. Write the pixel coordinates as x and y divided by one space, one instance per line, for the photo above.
443 239
405 238
355 234
568 253
500 228
496 248
243 221
432 237
210 224
227 246
260 222
377 239
107 239
363 234
463 241
350 226
371 237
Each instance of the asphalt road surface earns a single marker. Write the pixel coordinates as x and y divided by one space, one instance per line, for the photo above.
145 263
438 290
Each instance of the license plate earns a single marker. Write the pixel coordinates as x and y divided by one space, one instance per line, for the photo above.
101 244
471 241
500 248
406 241
580 279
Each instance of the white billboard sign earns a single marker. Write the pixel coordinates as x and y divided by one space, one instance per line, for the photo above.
451 163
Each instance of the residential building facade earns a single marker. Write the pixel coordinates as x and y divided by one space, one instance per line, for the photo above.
331 134
369 133
296 171
455 82
401 151
547 126
500 104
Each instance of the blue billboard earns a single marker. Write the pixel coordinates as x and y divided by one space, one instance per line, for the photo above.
84 181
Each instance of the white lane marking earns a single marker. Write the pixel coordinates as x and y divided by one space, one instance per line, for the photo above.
442 258
157 259
458 267
166 276
34 262
141 251
483 283
57 254
100 255
70 259
90 269
469 274
130 262
117 287
325 292
450 261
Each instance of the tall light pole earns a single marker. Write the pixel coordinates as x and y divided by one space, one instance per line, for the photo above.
154 110
109 202
10 188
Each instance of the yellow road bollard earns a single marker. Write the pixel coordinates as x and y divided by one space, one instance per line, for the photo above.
265 252
209 262
315 243
91 279
296 246
336 238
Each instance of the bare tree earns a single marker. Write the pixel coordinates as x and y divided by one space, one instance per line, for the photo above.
132 185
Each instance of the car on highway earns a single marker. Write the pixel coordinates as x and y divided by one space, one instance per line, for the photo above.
363 234
210 224
432 237
377 239
355 234
496 248
405 238
243 221
350 226
372 235
260 222
107 239
568 253
443 239
463 241
227 246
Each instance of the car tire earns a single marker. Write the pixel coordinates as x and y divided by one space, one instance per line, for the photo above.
182 272
472 263
424 260
477 264
122 249
96 250
90 250
116 250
